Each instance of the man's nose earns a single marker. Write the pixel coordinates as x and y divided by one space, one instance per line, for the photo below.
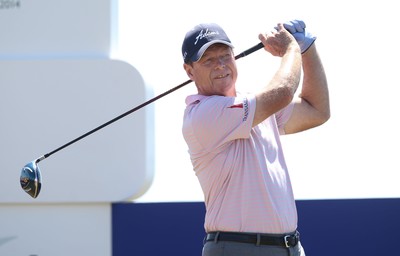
221 62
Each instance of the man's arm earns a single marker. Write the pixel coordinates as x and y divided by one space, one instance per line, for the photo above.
279 92
312 107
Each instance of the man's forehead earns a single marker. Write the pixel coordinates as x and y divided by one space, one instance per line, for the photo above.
217 47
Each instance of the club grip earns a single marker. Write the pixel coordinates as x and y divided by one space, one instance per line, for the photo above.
250 51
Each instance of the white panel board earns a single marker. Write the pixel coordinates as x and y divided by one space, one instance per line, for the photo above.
45 104
48 28
51 229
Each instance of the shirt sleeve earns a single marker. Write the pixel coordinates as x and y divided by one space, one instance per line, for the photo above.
217 120
282 116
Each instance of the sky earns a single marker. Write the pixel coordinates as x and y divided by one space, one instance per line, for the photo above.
353 155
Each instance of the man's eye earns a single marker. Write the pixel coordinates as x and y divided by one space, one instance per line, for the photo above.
227 56
208 61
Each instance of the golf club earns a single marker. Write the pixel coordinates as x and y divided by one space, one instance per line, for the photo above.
30 178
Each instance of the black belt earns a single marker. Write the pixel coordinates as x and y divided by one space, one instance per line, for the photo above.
287 241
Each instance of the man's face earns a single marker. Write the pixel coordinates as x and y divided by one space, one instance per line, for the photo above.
216 72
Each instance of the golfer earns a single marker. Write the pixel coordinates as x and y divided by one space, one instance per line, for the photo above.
234 138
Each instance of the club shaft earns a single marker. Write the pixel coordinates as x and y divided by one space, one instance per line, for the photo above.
116 118
250 51
243 54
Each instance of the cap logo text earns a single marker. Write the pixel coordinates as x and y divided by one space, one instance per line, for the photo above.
206 34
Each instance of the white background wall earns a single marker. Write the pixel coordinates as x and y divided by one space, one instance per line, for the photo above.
353 156
57 83
55 229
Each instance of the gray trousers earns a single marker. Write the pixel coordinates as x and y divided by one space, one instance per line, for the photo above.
224 248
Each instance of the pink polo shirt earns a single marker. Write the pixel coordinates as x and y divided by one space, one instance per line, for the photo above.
241 170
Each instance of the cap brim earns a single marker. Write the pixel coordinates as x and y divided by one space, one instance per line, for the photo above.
200 53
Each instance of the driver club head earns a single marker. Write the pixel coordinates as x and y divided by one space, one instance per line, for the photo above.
30 179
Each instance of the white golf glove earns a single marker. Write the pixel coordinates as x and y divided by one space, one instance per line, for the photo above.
298 29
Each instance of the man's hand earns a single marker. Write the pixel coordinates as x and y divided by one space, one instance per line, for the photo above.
298 29
278 41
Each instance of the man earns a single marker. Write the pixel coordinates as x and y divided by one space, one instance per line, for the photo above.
234 143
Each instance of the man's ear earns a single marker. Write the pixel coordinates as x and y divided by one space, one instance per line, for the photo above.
189 70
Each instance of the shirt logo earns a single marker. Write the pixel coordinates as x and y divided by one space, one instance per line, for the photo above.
246 109
245 106
240 105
